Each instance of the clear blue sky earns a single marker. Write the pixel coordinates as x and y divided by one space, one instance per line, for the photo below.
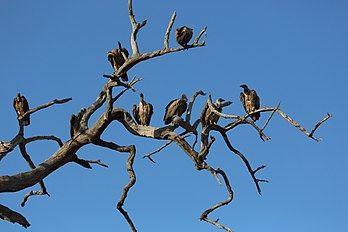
293 52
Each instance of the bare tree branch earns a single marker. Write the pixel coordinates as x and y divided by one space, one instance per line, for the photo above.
48 104
12 216
192 100
205 214
32 166
131 150
170 25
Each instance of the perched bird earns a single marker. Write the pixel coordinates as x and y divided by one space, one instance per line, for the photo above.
143 112
117 58
183 35
21 106
176 107
250 101
208 117
75 122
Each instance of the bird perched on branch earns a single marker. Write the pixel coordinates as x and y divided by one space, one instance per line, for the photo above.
143 112
75 122
208 117
117 58
21 106
176 107
183 35
250 101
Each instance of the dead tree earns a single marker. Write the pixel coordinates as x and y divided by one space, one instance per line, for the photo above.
84 134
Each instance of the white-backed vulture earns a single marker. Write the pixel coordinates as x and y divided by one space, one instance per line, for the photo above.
143 112
208 117
250 101
176 107
183 35
21 106
117 58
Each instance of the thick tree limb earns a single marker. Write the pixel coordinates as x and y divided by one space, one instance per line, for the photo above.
12 216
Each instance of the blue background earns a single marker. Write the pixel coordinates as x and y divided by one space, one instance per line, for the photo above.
293 52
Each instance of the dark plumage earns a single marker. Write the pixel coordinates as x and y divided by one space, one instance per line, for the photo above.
183 35
75 122
208 117
117 58
21 106
250 101
175 107
143 112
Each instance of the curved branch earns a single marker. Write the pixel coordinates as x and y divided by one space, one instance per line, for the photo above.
205 214
132 178
192 100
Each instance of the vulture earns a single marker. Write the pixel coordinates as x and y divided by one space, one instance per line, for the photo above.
176 107
183 35
75 121
208 117
117 58
143 112
250 101
21 106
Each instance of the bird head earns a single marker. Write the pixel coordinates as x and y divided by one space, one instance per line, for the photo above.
18 95
141 95
111 54
245 87
183 97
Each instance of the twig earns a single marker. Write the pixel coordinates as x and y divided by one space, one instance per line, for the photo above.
156 151
195 42
97 162
170 25
32 166
48 104
33 193
298 126
318 124
270 117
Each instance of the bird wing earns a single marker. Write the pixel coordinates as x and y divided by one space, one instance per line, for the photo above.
135 111
170 110
242 99
25 104
149 112
72 125
255 99
16 105
204 114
